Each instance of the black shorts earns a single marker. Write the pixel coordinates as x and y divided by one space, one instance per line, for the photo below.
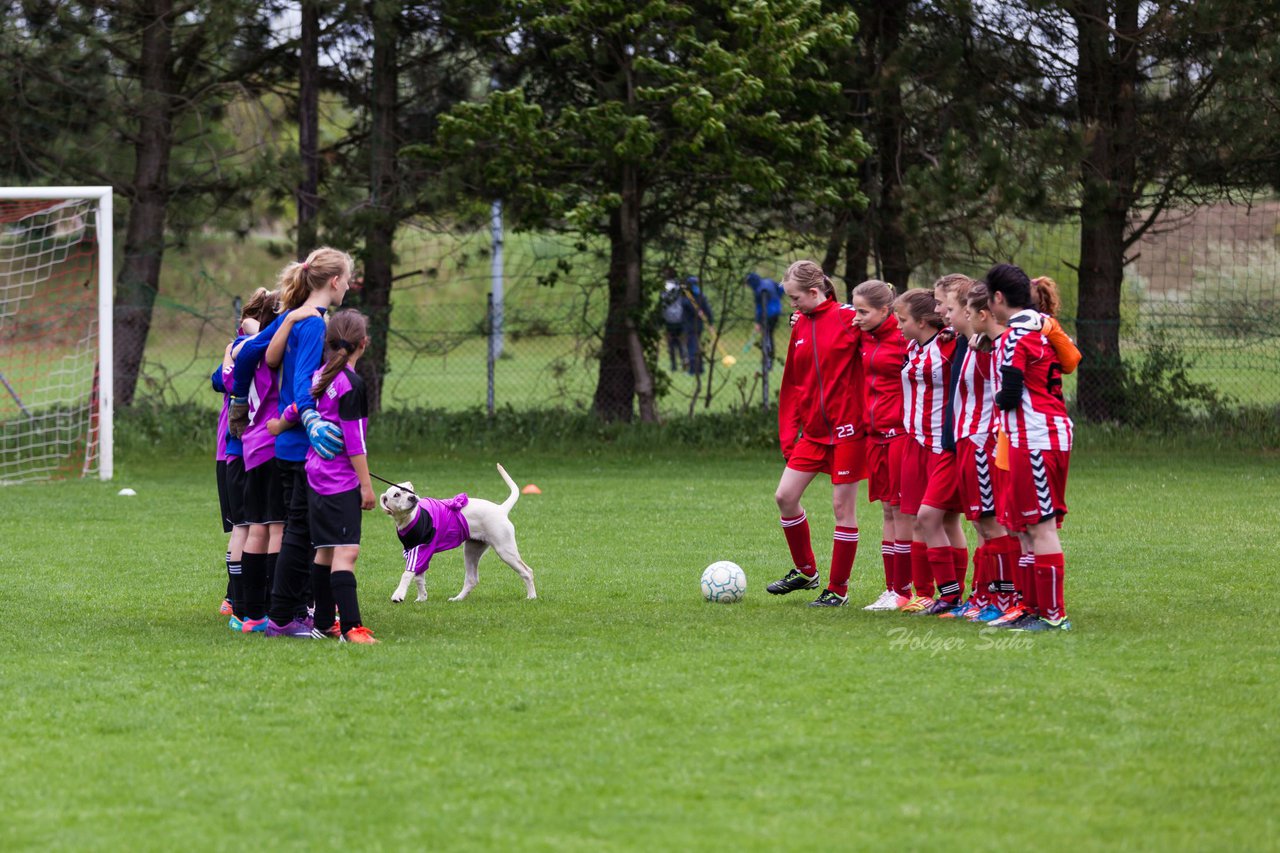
235 491
263 495
224 507
335 519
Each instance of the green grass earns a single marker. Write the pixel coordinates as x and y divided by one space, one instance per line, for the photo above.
619 711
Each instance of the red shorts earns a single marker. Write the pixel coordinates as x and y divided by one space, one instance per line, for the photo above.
845 462
1035 488
979 477
928 479
884 469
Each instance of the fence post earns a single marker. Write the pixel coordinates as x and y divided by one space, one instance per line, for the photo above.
766 362
492 348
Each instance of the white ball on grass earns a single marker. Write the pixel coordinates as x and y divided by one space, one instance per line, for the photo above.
724 582
126 492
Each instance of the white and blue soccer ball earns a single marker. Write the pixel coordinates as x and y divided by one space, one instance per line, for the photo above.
724 582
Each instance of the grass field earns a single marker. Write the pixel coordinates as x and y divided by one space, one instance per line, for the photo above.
621 712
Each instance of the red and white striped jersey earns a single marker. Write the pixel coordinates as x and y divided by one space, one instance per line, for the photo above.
924 389
975 397
1040 421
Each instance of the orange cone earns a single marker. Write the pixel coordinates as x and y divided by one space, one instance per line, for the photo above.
531 489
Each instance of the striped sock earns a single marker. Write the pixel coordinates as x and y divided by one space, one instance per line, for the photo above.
797 532
844 547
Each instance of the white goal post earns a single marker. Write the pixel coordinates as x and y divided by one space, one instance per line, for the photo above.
56 315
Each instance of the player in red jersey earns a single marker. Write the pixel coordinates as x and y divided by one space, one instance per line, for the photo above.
930 490
1033 414
883 352
820 428
976 426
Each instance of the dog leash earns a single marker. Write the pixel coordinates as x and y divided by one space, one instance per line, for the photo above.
389 483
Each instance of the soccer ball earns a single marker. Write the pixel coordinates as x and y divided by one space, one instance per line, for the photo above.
724 582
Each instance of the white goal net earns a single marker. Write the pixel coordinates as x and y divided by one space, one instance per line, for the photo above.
55 345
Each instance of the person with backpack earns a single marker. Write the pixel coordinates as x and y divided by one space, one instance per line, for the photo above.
671 307
767 294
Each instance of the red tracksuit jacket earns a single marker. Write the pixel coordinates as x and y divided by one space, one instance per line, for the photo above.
884 352
821 396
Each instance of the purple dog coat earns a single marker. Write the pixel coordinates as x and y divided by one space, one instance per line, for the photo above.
434 526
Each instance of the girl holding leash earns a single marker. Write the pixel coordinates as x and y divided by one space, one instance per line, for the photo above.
295 341
820 428
338 488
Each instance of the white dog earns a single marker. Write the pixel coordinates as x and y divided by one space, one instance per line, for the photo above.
427 526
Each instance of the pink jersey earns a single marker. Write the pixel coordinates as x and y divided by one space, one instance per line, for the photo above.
1039 422
264 404
345 404
975 397
924 389
433 527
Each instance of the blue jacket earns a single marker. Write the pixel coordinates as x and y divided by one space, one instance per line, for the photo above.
691 322
768 297
303 355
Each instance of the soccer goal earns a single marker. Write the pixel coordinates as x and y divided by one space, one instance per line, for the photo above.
55 333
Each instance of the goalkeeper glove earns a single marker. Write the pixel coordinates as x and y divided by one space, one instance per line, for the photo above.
325 436
238 416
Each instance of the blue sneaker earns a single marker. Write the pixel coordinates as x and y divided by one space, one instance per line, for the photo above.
1043 624
235 624
956 611
986 614
297 629
254 626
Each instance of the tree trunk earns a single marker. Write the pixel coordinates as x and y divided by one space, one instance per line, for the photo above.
1107 85
139 278
380 229
857 249
308 126
615 387
890 19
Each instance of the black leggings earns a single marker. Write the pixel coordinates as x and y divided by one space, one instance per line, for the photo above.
291 590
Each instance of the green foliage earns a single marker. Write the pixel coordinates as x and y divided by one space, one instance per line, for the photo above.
1156 392
713 104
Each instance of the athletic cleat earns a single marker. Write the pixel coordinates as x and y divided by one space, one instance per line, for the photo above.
235 624
225 608
986 614
1021 622
794 580
359 634
1013 614
971 609
956 611
829 599
334 632
888 600
296 629
940 606
254 626
916 604
1043 624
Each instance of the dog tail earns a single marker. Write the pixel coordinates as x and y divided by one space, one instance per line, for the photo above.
515 490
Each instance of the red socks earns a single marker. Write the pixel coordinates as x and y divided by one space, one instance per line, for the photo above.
844 547
1048 584
890 560
921 575
960 557
942 562
797 532
981 575
902 567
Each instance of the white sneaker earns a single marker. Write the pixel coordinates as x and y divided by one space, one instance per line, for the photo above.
888 600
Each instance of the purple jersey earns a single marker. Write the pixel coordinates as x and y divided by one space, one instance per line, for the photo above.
343 403
264 404
434 526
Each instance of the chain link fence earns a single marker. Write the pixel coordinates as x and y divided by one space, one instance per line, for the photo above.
1200 311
